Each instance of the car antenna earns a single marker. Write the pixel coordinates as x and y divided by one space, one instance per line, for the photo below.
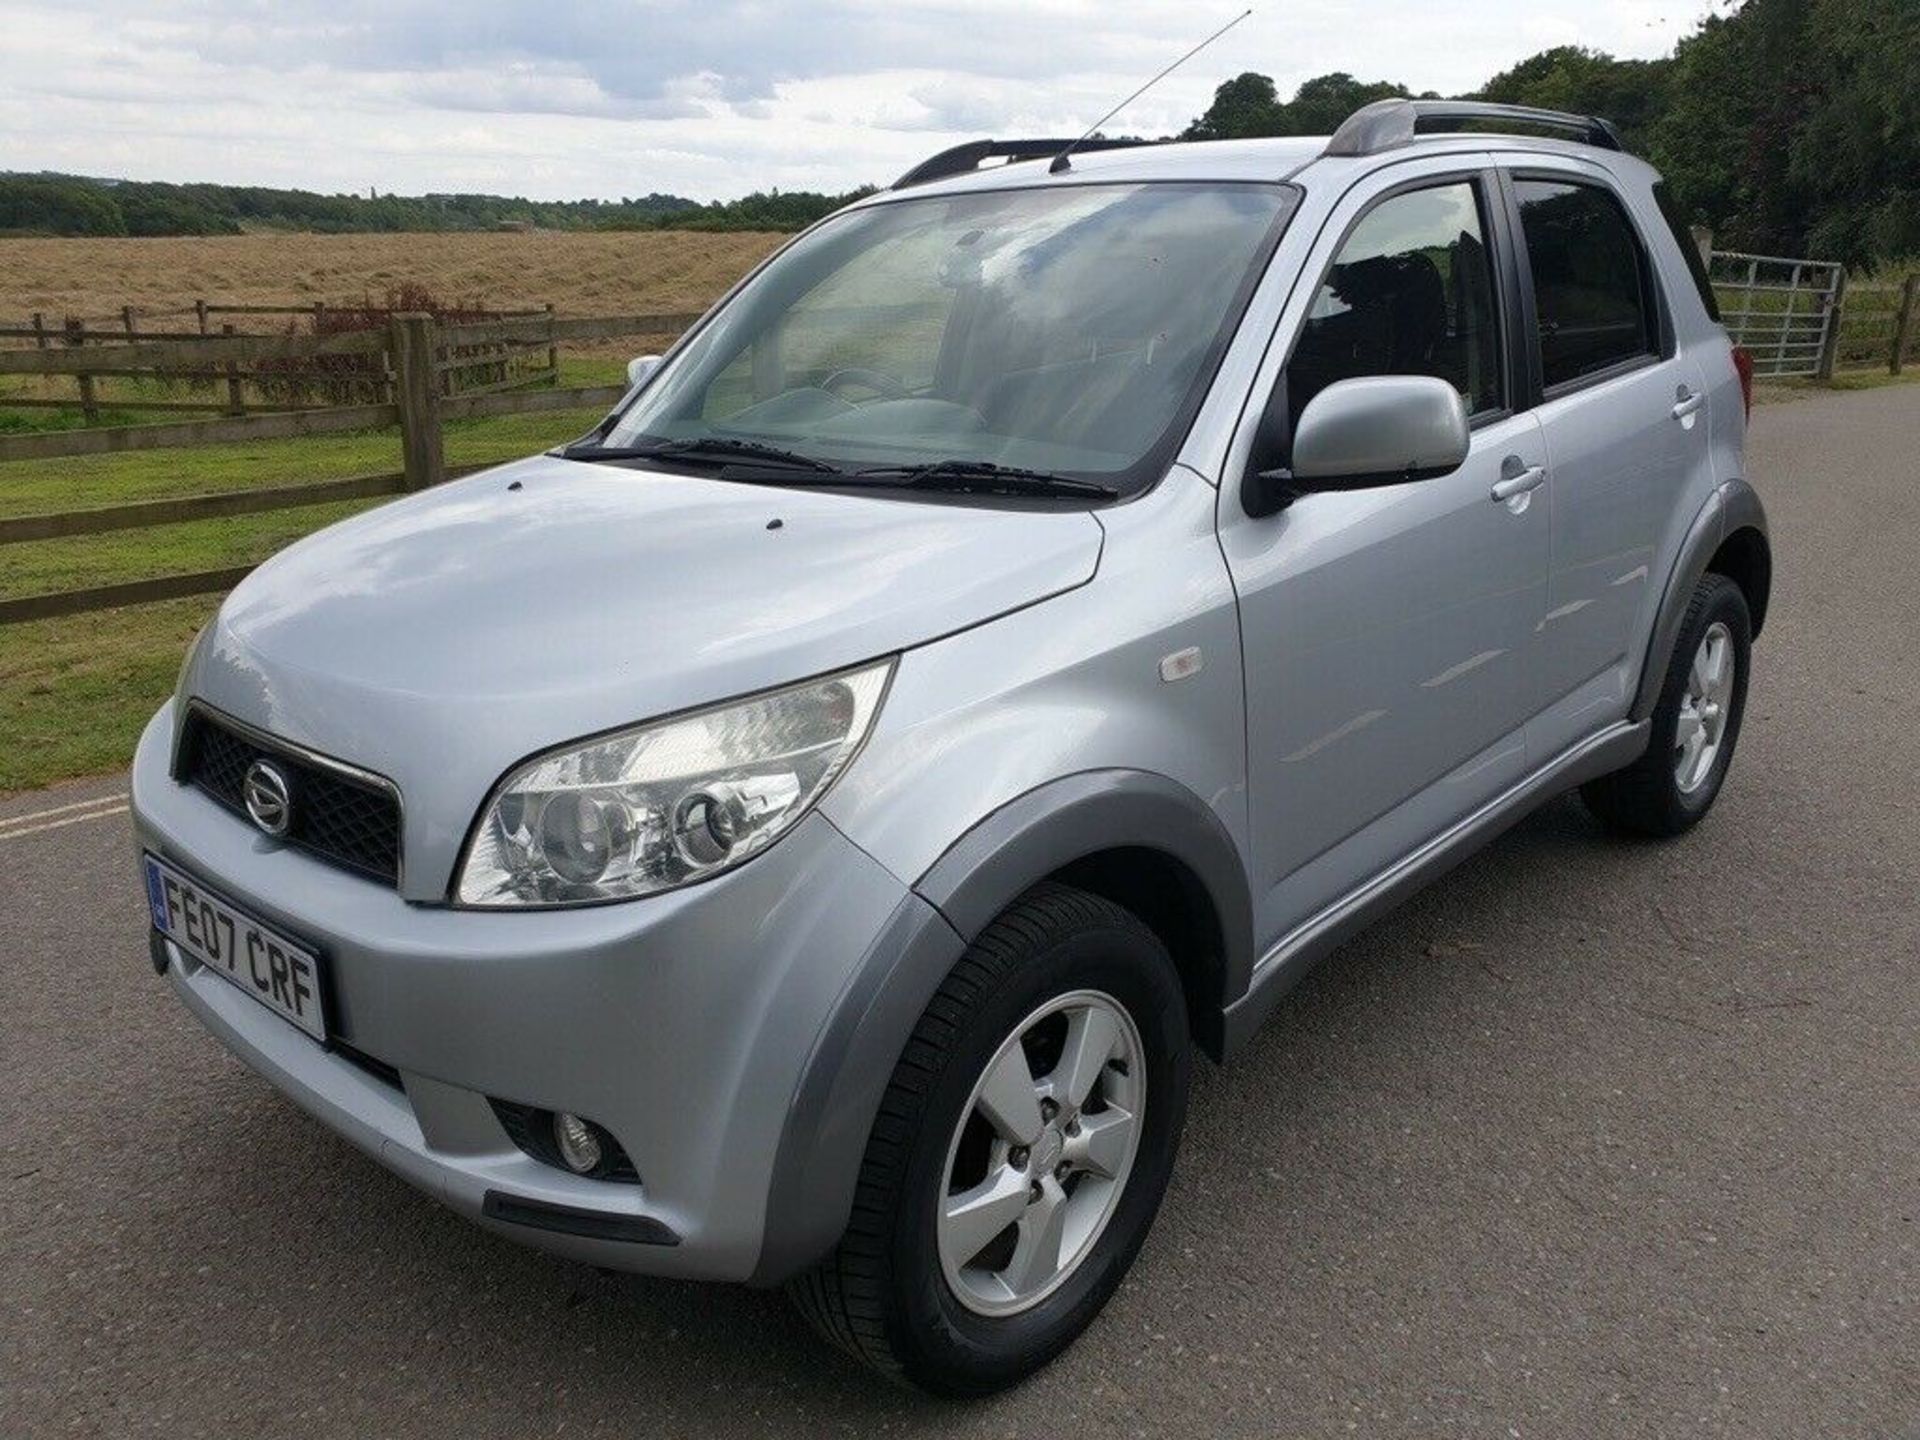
1061 162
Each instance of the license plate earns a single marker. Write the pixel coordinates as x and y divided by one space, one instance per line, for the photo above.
282 975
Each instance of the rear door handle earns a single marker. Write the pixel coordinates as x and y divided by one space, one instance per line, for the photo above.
1689 401
1509 486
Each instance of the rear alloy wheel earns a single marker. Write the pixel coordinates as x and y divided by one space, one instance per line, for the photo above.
1706 704
1020 1153
1695 722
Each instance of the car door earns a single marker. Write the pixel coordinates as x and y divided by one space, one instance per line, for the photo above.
1622 413
1385 630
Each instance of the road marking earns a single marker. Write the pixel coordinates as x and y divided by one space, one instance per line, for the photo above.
6 835
14 820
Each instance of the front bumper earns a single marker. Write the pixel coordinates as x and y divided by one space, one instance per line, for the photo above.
692 1025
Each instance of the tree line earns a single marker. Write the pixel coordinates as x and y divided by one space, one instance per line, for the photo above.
1789 127
50 204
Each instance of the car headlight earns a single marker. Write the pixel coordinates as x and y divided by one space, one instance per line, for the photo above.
661 805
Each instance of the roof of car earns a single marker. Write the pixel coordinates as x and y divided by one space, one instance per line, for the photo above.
1184 160
1376 134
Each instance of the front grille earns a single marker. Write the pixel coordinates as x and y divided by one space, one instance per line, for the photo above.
350 822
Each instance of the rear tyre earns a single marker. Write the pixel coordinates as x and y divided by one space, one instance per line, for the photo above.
1020 1153
1695 723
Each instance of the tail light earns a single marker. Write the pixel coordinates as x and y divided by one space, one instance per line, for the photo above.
1743 367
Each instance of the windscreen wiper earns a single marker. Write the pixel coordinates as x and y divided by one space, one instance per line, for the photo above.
722 448
985 477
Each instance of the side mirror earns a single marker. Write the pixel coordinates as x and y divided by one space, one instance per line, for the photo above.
639 368
1376 430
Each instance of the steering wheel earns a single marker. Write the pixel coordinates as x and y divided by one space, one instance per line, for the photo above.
885 386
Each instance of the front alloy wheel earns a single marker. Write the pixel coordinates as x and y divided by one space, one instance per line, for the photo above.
1020 1153
1037 1166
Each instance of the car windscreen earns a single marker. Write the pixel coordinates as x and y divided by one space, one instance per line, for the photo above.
1070 329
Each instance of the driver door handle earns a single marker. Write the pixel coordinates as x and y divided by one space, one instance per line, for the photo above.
1689 401
1509 486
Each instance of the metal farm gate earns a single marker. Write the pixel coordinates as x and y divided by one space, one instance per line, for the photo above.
1783 311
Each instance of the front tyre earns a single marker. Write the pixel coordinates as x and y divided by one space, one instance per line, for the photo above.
1020 1153
1695 723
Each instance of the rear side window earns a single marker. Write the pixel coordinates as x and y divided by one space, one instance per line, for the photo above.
1410 293
1591 289
1696 262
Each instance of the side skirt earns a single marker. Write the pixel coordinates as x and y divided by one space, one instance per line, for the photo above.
1310 942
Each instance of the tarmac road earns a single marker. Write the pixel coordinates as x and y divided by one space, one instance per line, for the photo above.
1593 1139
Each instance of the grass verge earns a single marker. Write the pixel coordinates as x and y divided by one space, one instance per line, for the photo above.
75 692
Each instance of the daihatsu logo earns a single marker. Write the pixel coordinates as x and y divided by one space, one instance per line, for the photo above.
269 798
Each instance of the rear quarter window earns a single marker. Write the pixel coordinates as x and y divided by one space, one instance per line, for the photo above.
1683 237
1592 290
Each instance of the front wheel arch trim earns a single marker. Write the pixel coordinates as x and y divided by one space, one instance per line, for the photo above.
1037 834
833 1107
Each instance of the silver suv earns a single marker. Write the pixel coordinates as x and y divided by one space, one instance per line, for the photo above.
802 832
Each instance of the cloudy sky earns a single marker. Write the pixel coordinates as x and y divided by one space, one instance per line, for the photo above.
573 98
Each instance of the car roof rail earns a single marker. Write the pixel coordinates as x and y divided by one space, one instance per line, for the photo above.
1388 124
964 158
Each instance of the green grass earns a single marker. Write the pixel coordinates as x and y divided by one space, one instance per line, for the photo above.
75 691
85 560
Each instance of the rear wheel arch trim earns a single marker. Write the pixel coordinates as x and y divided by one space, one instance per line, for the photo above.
1733 510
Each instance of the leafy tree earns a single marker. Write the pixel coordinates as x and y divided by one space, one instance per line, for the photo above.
57 205
1320 104
1788 126
1856 154
1248 106
1630 93
1243 106
161 210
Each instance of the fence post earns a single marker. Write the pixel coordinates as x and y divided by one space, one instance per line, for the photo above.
1902 323
1703 242
236 398
126 318
39 330
89 401
1830 337
553 352
200 310
417 391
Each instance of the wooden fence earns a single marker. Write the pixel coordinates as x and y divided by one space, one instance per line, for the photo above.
277 382
421 370
209 317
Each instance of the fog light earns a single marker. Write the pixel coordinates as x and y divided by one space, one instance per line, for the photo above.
578 1142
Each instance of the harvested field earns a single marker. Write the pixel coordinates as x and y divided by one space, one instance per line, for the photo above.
614 272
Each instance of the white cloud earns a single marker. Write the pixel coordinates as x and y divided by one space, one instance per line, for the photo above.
571 98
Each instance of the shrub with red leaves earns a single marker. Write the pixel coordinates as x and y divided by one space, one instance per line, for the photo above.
359 379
